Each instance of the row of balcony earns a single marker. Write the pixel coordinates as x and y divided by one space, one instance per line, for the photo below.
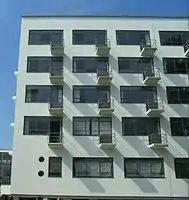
147 48
107 140
154 108
104 76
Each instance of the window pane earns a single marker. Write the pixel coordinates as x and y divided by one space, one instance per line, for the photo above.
182 168
94 126
93 169
179 126
55 166
81 126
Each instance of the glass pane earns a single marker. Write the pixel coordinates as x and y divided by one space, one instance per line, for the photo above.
80 169
93 169
94 126
106 169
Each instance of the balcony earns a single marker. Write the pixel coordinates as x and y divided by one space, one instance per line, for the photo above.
104 76
158 140
105 107
151 77
186 48
56 108
103 47
57 47
55 139
148 48
154 108
107 140
56 75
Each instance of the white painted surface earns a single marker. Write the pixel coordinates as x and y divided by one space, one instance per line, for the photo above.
27 149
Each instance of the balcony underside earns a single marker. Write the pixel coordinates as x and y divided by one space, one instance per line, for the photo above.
105 111
55 145
56 111
155 112
106 145
102 50
151 80
148 51
104 80
56 79
157 145
57 50
186 53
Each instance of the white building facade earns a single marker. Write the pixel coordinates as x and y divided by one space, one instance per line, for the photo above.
102 108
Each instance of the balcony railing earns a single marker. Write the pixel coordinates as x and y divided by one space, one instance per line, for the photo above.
104 76
57 46
154 107
148 47
151 77
55 139
107 139
158 140
102 47
186 48
105 107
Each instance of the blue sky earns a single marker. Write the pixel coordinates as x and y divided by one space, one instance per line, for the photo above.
10 18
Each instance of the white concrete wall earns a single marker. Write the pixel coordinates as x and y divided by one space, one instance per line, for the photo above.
27 149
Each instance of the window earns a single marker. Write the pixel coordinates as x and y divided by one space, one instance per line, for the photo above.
176 65
134 65
90 37
131 37
137 94
45 37
43 64
178 95
89 64
144 168
179 126
5 168
55 167
182 167
43 93
93 167
42 125
140 126
173 38
91 94
86 126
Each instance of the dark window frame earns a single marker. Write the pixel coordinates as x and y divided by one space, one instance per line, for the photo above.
148 161
27 131
50 32
147 125
88 32
177 95
134 59
179 126
140 37
184 174
55 174
97 59
91 120
97 90
127 89
89 160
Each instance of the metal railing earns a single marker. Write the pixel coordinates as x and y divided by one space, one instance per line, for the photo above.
108 103
107 137
186 46
55 138
57 42
148 43
56 104
56 71
157 138
151 73
104 72
105 42
154 104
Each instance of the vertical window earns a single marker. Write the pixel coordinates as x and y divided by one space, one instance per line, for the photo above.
137 94
140 126
92 125
45 37
144 168
178 95
182 168
179 126
93 167
131 37
89 37
55 167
